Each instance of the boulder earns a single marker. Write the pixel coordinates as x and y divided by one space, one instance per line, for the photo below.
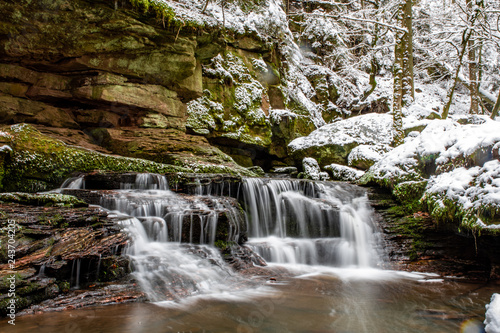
332 143
312 170
344 173
364 156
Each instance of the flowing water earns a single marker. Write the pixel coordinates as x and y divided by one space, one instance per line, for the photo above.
323 233
298 222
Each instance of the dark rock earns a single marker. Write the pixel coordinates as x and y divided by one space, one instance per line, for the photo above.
51 242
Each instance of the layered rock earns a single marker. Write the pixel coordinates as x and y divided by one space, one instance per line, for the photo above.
58 248
116 79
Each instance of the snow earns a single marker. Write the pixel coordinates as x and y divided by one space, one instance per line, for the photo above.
312 169
454 185
5 148
369 153
277 115
492 321
459 157
345 173
364 129
445 139
5 135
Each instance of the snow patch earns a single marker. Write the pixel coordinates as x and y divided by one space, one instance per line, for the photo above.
312 169
345 173
5 148
365 129
492 321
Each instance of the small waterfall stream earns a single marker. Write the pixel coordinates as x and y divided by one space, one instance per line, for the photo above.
319 239
288 222
314 223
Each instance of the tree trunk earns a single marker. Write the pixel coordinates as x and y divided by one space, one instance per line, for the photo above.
473 77
403 70
494 113
205 7
449 96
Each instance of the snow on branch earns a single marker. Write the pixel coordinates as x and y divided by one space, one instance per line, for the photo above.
349 18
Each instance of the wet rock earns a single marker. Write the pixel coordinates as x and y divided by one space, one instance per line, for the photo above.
42 199
38 162
212 184
58 248
416 242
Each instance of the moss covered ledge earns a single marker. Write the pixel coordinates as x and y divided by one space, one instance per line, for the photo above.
38 162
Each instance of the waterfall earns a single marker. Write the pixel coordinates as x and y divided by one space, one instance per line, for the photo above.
74 183
147 181
304 222
172 252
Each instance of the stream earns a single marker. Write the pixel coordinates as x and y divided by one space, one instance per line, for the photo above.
323 254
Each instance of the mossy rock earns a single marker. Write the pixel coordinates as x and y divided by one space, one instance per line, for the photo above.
46 162
409 194
43 199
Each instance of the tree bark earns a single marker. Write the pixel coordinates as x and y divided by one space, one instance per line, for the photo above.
494 113
404 91
451 92
205 6
473 77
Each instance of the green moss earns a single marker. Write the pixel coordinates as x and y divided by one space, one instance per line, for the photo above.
40 162
43 199
164 13
231 106
410 227
64 286
409 194
223 245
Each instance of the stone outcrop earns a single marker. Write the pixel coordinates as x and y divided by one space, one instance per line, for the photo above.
334 142
58 248
112 77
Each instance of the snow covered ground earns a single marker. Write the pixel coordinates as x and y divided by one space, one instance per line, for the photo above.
492 321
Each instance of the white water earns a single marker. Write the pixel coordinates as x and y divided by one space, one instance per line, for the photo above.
297 222
288 221
173 236
147 181
74 183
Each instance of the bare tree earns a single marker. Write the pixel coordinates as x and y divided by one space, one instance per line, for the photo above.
404 92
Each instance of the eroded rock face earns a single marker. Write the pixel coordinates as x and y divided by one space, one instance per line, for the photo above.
89 67
51 243
86 65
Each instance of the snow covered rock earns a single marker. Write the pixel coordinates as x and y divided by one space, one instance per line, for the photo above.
332 143
344 173
364 156
492 321
312 170
471 195
442 146
459 164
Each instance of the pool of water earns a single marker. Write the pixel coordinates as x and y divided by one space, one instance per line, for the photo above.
319 300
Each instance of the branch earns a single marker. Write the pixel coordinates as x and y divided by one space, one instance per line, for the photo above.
338 17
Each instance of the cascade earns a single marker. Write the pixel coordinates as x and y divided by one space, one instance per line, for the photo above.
288 222
305 222
172 251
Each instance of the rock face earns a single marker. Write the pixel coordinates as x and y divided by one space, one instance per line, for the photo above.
415 242
450 169
117 81
37 162
59 248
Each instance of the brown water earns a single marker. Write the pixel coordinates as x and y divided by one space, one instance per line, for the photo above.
319 302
